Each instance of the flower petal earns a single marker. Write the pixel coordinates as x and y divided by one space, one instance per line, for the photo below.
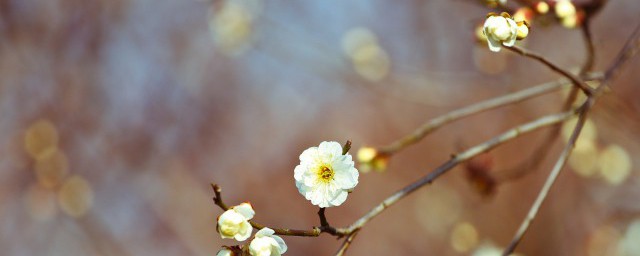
309 155
244 232
245 210
494 45
328 150
338 199
265 232
298 172
282 247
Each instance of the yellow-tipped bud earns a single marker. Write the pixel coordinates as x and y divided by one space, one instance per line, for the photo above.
372 159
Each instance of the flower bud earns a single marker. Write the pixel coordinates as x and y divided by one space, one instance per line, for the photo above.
500 30
372 159
234 223
266 244
523 30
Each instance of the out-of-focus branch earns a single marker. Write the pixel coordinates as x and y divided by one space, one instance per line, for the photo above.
347 242
629 50
588 38
435 123
541 152
454 161
550 179
574 79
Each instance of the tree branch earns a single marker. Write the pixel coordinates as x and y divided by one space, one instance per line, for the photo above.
574 79
629 50
550 179
435 123
454 161
347 242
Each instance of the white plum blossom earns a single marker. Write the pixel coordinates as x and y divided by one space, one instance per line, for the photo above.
500 30
325 176
234 223
267 244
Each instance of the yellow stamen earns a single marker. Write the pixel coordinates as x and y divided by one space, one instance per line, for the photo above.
326 173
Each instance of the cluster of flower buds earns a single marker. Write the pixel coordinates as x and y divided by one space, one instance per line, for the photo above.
501 29
234 224
566 13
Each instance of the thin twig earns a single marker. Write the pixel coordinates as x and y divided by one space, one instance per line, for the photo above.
454 161
588 38
629 50
346 147
574 79
435 123
541 152
347 242
550 179
217 199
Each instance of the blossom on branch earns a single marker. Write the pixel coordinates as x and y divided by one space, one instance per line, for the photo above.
500 29
267 244
325 176
234 223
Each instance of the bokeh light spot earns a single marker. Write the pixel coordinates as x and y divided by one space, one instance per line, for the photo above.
464 237
40 137
75 196
51 168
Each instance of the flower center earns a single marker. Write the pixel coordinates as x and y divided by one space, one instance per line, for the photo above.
326 173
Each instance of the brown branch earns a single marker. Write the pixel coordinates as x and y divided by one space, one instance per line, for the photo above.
347 242
541 152
550 179
454 161
346 147
588 38
629 50
435 123
217 199
573 78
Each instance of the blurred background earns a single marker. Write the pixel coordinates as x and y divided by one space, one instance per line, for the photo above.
116 115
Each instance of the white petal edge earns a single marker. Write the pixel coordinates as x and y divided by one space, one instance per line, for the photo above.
265 232
245 210
282 246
